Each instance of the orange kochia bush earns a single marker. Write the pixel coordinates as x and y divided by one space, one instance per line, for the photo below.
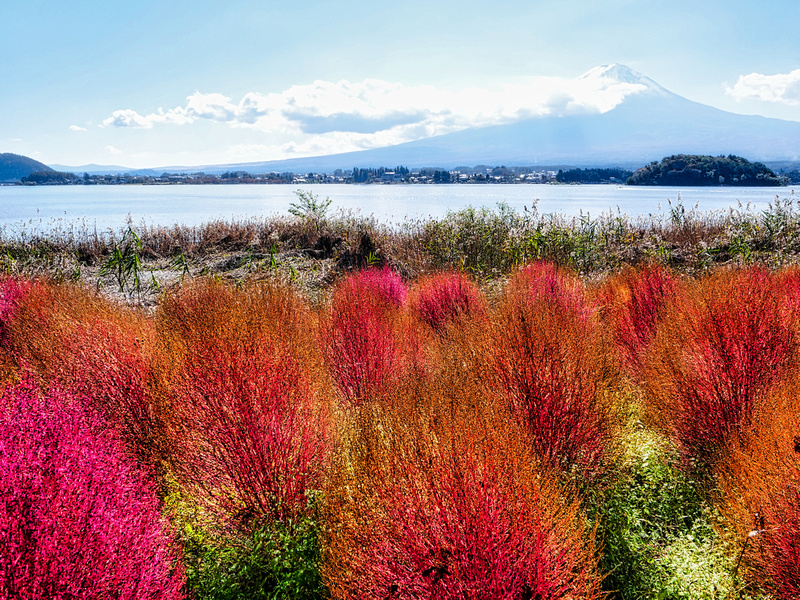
719 348
633 303
437 494
759 498
244 383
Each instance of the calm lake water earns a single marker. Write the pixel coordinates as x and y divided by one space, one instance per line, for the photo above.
26 210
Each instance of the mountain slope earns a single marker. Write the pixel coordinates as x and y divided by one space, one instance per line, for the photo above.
14 167
649 123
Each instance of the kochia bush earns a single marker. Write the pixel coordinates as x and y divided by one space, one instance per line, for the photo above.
367 348
720 347
551 370
77 519
634 302
448 502
447 297
246 423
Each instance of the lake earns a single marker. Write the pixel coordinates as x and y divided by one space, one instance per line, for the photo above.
42 208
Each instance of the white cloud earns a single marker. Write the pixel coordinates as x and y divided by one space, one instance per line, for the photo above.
77 128
783 87
327 117
112 150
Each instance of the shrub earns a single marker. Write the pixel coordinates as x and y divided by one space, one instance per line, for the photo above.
445 298
368 348
12 291
77 519
718 350
546 281
447 502
247 425
551 370
759 499
634 302
74 339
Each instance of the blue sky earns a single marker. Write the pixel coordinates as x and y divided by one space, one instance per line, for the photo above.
145 83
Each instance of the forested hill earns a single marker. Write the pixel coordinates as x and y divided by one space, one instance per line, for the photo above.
695 170
14 167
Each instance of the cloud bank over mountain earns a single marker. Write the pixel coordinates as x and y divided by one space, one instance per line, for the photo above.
332 117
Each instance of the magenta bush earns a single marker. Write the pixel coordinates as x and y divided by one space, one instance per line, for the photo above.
362 345
77 519
381 285
446 297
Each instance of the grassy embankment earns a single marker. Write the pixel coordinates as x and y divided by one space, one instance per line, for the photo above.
455 424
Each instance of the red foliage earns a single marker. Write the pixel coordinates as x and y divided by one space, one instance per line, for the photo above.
635 305
12 291
546 281
716 353
74 339
241 379
77 519
247 436
447 297
383 286
551 370
443 504
367 348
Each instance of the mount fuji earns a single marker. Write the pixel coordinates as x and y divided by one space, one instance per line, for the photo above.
639 121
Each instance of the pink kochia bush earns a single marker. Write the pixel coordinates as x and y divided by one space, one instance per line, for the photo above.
363 342
447 297
77 519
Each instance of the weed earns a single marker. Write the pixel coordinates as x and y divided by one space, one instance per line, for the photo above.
125 262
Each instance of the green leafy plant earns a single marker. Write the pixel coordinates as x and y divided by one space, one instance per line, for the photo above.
274 562
310 207
125 262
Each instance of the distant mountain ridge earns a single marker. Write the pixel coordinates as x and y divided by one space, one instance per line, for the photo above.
647 124
14 167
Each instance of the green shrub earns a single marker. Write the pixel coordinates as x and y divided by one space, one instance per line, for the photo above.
655 525
275 562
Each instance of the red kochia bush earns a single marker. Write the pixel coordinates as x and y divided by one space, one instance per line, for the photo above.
634 302
241 375
446 297
449 503
717 351
550 369
363 339
77 519
247 435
